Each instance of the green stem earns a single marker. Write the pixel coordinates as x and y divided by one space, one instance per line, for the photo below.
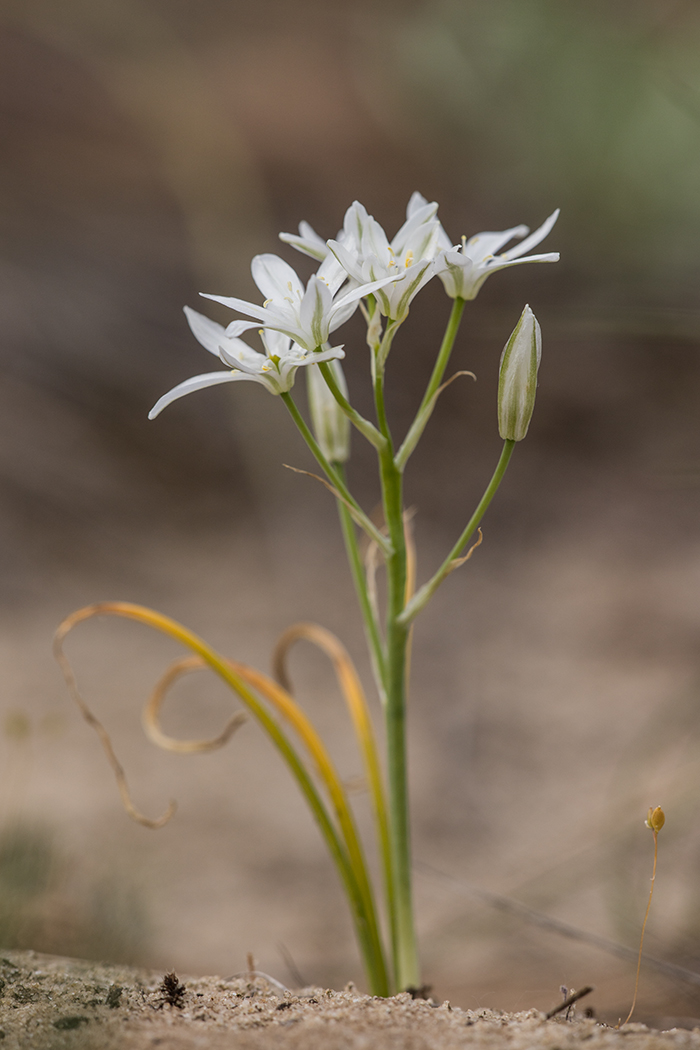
336 481
406 967
425 593
443 356
364 426
359 577
431 391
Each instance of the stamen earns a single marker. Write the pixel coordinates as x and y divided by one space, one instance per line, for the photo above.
409 259
267 303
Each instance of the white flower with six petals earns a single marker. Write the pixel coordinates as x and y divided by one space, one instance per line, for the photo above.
308 315
275 369
464 270
366 254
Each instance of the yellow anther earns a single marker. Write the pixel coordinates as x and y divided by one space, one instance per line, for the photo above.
289 285
267 302
409 259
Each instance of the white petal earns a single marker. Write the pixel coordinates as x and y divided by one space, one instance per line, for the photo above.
195 383
308 242
481 245
496 264
277 344
419 218
274 277
336 352
374 240
315 311
250 361
348 259
364 289
456 273
241 305
534 238
417 201
355 221
207 332
331 272
339 315
416 277
237 328
422 243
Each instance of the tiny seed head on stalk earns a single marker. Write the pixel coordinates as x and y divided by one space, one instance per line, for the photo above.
656 818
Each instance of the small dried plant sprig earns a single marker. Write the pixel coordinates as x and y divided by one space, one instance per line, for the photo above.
656 819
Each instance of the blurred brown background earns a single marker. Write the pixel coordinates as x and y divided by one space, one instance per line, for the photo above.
150 148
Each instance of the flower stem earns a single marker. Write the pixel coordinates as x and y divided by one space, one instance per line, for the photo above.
357 570
425 593
432 390
443 357
406 966
364 426
335 479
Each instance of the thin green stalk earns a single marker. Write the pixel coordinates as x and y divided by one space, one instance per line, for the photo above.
359 577
364 426
431 391
406 966
336 481
379 669
425 593
443 356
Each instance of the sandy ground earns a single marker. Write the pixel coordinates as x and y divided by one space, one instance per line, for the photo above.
49 1002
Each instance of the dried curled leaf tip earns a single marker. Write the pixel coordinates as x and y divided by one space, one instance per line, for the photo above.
656 818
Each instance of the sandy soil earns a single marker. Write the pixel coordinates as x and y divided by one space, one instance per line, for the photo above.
50 1002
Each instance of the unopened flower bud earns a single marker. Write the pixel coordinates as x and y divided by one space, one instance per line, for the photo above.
517 382
656 818
330 424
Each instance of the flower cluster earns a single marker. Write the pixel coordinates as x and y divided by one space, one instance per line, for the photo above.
296 321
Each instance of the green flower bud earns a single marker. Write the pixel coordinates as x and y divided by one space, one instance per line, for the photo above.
330 424
517 382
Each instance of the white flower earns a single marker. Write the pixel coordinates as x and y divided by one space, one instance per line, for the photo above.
517 381
275 369
308 314
464 270
331 425
366 254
